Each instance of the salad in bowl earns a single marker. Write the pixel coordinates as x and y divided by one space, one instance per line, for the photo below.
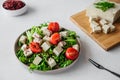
47 47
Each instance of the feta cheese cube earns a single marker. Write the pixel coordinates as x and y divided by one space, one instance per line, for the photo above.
57 50
46 38
103 22
38 40
46 45
36 35
46 31
51 62
24 47
64 33
76 46
62 43
37 60
27 52
106 29
23 39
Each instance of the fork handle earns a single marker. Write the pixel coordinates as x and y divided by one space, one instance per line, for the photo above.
116 74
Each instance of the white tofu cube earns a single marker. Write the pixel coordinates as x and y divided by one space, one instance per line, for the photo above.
96 29
37 60
93 24
46 31
112 27
24 47
106 29
64 33
62 43
38 40
23 39
46 38
76 46
27 52
51 62
103 22
36 35
57 50
46 45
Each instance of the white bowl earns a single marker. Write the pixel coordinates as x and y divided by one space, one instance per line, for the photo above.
15 12
49 71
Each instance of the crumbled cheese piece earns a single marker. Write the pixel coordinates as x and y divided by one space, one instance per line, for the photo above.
38 40
64 33
36 35
27 52
46 45
106 29
51 62
62 43
76 46
57 50
46 38
37 60
23 39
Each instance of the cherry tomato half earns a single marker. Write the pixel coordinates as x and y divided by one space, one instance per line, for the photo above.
55 38
53 26
35 47
71 53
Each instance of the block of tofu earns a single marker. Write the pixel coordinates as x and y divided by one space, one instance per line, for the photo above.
51 62
57 50
62 43
46 31
106 29
46 38
46 45
38 40
23 39
110 15
27 52
76 46
37 60
64 33
36 35
24 47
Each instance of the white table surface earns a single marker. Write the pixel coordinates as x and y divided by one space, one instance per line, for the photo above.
53 10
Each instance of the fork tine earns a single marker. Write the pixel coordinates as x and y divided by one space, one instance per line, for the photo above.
94 63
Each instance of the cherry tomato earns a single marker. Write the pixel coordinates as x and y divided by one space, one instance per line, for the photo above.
35 47
71 53
55 38
53 26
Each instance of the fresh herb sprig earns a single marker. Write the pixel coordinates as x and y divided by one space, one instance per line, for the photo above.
104 5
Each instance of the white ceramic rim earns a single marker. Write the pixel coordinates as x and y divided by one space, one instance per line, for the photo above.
15 12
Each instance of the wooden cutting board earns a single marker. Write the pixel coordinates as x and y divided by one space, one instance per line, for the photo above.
106 41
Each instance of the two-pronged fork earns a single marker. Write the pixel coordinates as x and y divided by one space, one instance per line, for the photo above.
101 67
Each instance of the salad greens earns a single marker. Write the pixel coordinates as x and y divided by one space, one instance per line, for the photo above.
104 5
61 60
